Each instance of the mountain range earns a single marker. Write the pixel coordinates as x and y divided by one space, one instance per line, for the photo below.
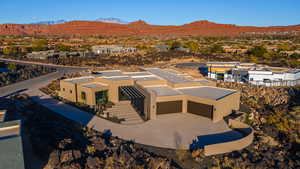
61 21
114 26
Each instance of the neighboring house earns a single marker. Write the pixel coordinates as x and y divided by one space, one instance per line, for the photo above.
229 49
153 92
216 70
112 49
182 49
53 54
11 154
162 48
251 73
268 77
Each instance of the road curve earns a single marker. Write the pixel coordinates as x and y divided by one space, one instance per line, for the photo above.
38 82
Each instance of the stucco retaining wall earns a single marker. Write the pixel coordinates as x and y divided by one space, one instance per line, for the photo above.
239 144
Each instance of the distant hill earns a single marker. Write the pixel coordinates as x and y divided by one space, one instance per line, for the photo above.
111 20
49 22
141 28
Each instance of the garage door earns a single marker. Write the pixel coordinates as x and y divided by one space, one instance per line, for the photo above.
200 109
169 107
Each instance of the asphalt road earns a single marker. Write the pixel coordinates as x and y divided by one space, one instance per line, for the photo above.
36 83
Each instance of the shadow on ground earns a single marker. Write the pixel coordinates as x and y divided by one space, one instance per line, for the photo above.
204 140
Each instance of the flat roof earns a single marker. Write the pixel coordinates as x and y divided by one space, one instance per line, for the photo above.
110 73
164 90
11 149
133 74
212 93
168 76
94 85
146 78
80 79
119 78
202 80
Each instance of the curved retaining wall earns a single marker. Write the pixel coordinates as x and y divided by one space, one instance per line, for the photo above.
239 144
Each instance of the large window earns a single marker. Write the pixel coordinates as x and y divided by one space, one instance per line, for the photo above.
101 97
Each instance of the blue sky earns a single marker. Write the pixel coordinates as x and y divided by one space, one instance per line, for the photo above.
160 12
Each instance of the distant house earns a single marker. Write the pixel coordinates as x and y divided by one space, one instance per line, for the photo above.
269 77
162 48
53 54
251 73
112 49
229 49
182 49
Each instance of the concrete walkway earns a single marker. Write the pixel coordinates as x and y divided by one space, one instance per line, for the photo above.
168 131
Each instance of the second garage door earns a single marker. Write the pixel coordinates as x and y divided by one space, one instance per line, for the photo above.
169 107
200 109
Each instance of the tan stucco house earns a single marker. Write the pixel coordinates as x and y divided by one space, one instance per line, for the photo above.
153 92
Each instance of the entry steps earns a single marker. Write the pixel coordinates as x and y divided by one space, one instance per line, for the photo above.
124 110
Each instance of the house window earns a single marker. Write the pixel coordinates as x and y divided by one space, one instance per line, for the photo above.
251 79
70 91
64 89
83 96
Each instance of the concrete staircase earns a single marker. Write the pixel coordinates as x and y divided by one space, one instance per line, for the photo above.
124 110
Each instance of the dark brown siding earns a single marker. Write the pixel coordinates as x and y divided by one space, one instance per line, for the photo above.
200 109
169 107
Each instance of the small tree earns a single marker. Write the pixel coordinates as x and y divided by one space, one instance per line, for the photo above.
12 67
61 47
216 49
258 51
39 45
175 45
193 46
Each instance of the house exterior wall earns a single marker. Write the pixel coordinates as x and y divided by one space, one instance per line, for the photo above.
65 88
149 102
222 107
90 96
113 87
225 106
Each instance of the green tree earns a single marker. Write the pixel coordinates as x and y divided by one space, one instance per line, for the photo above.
258 51
39 45
61 47
284 47
175 45
12 66
193 46
216 48
11 50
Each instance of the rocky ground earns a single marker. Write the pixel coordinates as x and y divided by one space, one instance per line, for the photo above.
22 72
274 114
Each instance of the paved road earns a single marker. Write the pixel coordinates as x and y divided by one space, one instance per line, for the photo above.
37 82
